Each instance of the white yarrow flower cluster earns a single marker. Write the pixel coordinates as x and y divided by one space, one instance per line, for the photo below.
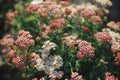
51 63
69 40
40 64
48 62
115 36
115 39
47 46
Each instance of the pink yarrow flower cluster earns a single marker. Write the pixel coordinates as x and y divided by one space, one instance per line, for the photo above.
24 39
10 16
76 76
39 79
57 24
19 62
7 41
109 76
117 59
103 37
85 49
11 54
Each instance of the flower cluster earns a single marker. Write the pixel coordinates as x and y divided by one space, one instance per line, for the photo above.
76 76
115 39
33 58
10 16
24 39
7 40
109 76
56 74
43 9
103 37
69 41
11 54
104 2
56 24
51 63
57 40
86 49
117 59
114 25
19 62
64 8
47 46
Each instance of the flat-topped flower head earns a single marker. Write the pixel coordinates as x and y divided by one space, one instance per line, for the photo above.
24 39
103 37
85 50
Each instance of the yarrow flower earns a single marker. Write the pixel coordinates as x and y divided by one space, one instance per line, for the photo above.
33 58
96 19
104 2
113 25
19 62
10 16
115 39
11 54
55 74
86 49
57 24
39 79
47 46
115 47
40 64
69 41
51 63
24 39
117 59
109 76
76 76
103 37
7 41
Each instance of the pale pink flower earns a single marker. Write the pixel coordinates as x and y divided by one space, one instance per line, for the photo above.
96 19
7 41
117 59
43 78
45 30
56 74
34 79
113 25
69 41
33 58
104 2
11 54
103 37
19 62
10 16
76 76
31 8
88 13
115 47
